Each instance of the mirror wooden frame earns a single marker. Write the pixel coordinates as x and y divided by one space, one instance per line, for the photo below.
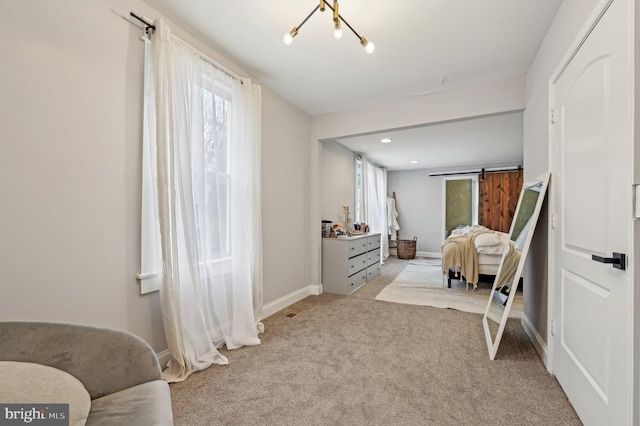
499 304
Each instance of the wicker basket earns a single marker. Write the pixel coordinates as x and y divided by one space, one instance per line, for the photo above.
407 248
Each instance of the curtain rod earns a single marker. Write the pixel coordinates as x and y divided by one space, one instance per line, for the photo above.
144 21
199 53
482 171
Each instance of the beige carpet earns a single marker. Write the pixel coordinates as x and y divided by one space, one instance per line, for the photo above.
422 283
352 360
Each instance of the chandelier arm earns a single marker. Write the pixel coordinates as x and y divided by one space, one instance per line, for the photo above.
350 27
342 19
308 16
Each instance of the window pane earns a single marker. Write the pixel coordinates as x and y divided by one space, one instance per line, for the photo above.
216 118
216 212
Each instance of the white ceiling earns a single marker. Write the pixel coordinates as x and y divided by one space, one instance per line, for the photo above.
422 46
483 142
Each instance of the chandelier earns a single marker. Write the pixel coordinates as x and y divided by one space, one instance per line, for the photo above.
337 26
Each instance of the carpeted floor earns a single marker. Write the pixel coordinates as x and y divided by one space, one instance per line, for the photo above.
357 361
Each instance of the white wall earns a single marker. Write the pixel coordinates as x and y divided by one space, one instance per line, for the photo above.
285 197
570 17
471 101
70 131
338 181
419 205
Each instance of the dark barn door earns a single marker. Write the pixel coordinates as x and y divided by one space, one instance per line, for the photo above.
497 199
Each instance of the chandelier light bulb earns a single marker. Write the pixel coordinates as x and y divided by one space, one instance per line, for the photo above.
288 37
368 46
337 31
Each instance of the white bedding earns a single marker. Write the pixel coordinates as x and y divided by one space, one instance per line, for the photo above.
489 259
489 247
488 269
487 242
466 230
491 242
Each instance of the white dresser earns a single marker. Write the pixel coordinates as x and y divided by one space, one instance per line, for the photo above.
348 263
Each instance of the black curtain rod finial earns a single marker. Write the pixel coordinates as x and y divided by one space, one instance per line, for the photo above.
144 21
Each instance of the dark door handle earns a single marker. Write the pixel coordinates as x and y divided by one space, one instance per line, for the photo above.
618 260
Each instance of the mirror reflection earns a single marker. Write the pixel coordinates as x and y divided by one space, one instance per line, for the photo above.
510 270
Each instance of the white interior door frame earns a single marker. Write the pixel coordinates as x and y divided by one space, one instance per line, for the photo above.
598 11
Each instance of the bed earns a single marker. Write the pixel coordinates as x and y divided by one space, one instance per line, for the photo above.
472 251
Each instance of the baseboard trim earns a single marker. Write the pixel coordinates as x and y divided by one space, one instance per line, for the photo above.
164 357
535 337
289 299
436 255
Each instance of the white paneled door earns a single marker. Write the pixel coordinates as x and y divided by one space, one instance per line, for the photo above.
592 143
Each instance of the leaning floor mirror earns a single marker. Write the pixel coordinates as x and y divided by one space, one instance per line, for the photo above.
506 282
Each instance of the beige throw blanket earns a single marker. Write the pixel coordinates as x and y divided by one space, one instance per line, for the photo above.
460 252
509 266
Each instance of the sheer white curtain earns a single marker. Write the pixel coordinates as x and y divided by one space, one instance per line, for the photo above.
375 204
208 193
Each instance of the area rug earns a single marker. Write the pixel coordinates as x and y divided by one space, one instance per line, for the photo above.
422 283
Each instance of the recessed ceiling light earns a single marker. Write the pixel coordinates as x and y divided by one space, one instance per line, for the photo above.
414 162
385 140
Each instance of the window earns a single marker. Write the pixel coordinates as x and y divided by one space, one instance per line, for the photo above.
204 145
217 168
150 245
212 178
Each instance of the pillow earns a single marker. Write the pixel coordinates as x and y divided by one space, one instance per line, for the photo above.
487 239
30 383
469 229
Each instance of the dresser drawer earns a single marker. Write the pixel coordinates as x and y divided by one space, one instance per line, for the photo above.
357 247
373 242
356 281
357 263
373 271
373 257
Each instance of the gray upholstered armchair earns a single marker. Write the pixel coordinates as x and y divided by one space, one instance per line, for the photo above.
119 371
